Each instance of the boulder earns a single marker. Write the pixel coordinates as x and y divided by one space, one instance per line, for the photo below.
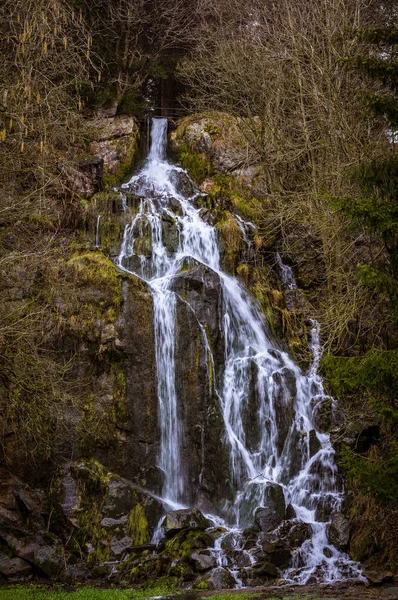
378 576
186 518
269 516
202 561
14 568
216 579
265 569
338 531
45 552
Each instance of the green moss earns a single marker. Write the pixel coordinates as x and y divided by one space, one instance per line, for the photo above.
137 525
93 268
231 240
195 163
202 585
243 271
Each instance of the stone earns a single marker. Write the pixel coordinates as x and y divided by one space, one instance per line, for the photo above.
314 444
116 143
338 532
269 516
120 546
326 505
15 568
265 569
186 518
84 178
216 579
45 552
202 561
378 577
183 183
290 512
298 534
323 415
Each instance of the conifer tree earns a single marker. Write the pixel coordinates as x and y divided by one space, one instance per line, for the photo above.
376 208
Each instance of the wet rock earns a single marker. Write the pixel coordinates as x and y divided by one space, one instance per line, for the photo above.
327 552
290 512
273 512
202 561
187 518
323 415
298 534
216 579
326 505
183 183
170 233
240 559
278 555
265 569
314 444
338 531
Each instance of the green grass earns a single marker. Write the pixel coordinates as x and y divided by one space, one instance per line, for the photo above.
42 593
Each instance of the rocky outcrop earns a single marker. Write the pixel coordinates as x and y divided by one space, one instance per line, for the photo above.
115 144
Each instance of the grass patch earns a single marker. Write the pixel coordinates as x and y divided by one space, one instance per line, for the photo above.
41 593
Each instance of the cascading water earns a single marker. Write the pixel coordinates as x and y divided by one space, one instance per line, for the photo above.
281 445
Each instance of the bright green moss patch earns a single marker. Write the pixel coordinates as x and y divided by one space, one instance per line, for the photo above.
137 525
194 162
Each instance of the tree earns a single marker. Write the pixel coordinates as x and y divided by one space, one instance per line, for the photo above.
375 209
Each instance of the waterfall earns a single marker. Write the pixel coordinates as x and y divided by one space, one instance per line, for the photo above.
97 232
281 446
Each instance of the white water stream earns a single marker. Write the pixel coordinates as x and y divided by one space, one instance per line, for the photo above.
279 453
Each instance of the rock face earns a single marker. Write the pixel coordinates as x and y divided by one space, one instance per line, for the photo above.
116 143
269 516
200 300
222 139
